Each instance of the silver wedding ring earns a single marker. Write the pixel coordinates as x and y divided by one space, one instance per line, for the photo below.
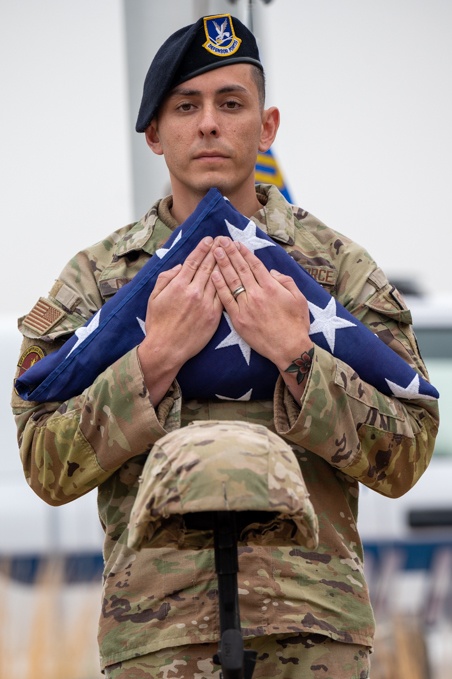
237 291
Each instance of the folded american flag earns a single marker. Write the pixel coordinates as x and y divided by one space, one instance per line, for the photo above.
227 368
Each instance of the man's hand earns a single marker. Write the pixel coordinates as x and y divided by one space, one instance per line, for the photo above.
182 315
271 315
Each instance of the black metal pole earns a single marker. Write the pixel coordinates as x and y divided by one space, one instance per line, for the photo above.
236 663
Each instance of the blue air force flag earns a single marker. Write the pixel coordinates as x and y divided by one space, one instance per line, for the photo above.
227 368
268 171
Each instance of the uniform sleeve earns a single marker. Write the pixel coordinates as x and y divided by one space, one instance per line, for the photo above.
383 442
69 448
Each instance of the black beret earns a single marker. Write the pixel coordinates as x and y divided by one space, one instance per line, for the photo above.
209 43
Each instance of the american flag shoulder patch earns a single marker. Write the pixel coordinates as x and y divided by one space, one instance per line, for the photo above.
43 316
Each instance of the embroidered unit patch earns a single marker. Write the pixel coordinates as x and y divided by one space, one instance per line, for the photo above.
29 358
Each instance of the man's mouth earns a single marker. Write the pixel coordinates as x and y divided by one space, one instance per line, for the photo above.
210 154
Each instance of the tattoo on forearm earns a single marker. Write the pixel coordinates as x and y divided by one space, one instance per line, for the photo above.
301 366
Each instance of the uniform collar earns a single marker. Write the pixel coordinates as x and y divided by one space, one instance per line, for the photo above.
139 236
276 217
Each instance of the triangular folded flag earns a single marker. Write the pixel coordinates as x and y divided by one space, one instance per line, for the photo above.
227 368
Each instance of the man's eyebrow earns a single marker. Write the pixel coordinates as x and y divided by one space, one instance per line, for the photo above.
190 92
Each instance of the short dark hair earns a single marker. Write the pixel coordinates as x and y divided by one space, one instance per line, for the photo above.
259 78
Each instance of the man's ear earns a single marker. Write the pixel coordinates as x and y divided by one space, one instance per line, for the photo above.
152 138
270 124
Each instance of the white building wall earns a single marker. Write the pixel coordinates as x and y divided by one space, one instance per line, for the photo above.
365 94
65 165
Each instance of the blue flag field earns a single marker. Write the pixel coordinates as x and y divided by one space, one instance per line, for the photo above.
227 368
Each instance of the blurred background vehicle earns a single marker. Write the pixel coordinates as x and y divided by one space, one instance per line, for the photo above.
426 508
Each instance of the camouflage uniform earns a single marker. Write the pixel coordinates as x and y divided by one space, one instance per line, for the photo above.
343 433
301 656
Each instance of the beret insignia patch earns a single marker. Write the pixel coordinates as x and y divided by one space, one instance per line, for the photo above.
221 38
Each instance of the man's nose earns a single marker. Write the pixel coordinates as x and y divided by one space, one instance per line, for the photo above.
208 124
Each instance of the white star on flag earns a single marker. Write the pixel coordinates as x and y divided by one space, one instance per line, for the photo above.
142 325
161 252
86 330
248 236
411 391
245 397
234 339
326 322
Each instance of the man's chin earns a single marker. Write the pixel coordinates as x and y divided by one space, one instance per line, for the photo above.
223 186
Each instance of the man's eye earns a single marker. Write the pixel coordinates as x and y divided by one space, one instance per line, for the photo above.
232 104
185 106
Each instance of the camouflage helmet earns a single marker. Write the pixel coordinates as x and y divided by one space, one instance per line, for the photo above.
213 466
